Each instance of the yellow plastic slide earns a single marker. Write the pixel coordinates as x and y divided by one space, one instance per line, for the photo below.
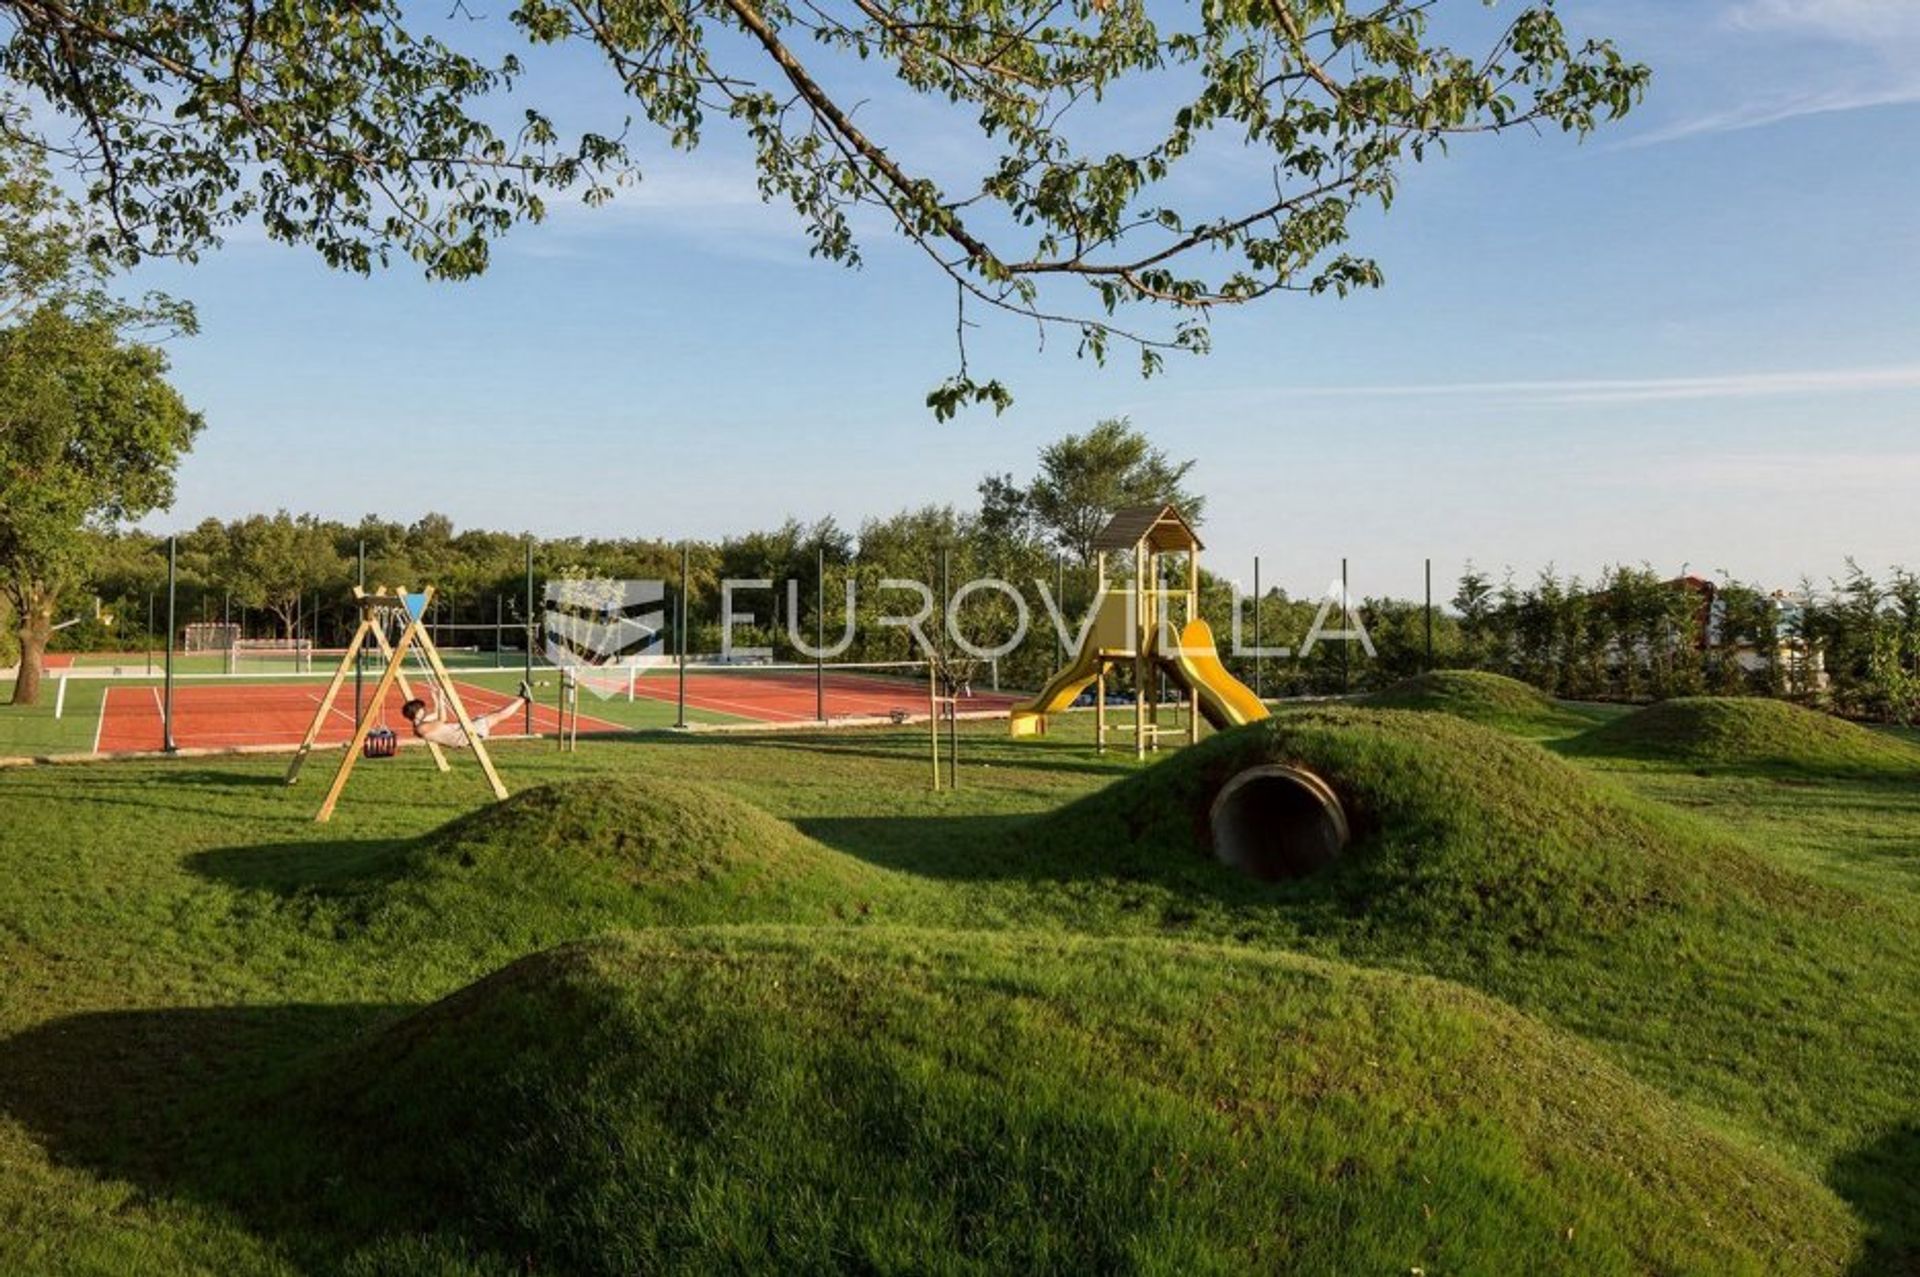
1060 692
1224 700
1108 632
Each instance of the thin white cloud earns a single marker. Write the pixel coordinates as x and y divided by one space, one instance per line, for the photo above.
1832 56
1643 389
1868 22
1776 109
1785 472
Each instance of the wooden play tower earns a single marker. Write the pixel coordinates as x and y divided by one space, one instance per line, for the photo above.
1150 624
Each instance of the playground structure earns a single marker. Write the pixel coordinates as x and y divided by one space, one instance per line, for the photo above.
378 610
1153 628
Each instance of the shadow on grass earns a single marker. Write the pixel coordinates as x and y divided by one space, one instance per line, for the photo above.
914 747
1881 1181
209 778
171 1101
337 867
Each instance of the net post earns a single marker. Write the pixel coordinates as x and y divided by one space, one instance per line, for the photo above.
60 696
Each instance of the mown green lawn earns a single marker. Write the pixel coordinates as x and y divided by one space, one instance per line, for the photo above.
178 939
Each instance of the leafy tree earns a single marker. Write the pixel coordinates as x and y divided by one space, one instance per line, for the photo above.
1474 601
279 562
89 428
1060 187
92 433
1083 479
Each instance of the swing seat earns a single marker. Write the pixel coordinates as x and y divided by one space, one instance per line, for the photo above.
381 743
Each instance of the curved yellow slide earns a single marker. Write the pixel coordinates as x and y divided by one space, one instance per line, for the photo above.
1224 700
1060 692
1108 630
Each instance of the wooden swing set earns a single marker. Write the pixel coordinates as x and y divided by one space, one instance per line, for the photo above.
371 737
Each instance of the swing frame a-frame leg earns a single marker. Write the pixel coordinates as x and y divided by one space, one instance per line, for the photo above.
371 625
414 634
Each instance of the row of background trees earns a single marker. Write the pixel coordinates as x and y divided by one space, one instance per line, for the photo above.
1631 633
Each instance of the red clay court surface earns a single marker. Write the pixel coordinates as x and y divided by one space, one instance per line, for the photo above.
789 696
207 717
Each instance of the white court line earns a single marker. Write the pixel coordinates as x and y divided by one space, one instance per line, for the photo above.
100 727
752 713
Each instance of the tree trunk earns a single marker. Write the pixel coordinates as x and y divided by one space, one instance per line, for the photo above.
36 627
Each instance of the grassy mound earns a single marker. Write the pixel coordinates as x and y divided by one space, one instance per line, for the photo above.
565 860
1489 699
1463 833
1750 732
1488 860
912 1101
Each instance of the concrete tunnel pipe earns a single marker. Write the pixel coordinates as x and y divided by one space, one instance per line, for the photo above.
1275 822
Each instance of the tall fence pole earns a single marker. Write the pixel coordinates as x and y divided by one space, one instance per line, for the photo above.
820 632
166 707
680 635
149 633
527 657
1429 616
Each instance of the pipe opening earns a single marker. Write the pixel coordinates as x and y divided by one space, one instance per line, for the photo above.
1275 822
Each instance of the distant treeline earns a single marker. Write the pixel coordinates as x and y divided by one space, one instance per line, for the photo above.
1629 634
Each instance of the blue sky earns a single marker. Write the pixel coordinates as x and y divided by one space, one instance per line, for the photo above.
1693 340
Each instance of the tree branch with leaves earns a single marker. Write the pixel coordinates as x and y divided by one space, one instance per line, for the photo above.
1079 124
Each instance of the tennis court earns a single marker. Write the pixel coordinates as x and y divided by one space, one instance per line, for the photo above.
225 711
225 714
796 693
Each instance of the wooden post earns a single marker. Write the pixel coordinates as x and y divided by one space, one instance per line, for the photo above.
334 685
1193 614
363 727
1142 619
1100 706
933 719
474 742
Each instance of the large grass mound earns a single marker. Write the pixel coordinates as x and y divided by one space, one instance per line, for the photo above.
564 860
1488 860
933 1102
1751 732
1463 835
1489 699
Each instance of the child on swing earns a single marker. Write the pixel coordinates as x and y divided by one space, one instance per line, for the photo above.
434 725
